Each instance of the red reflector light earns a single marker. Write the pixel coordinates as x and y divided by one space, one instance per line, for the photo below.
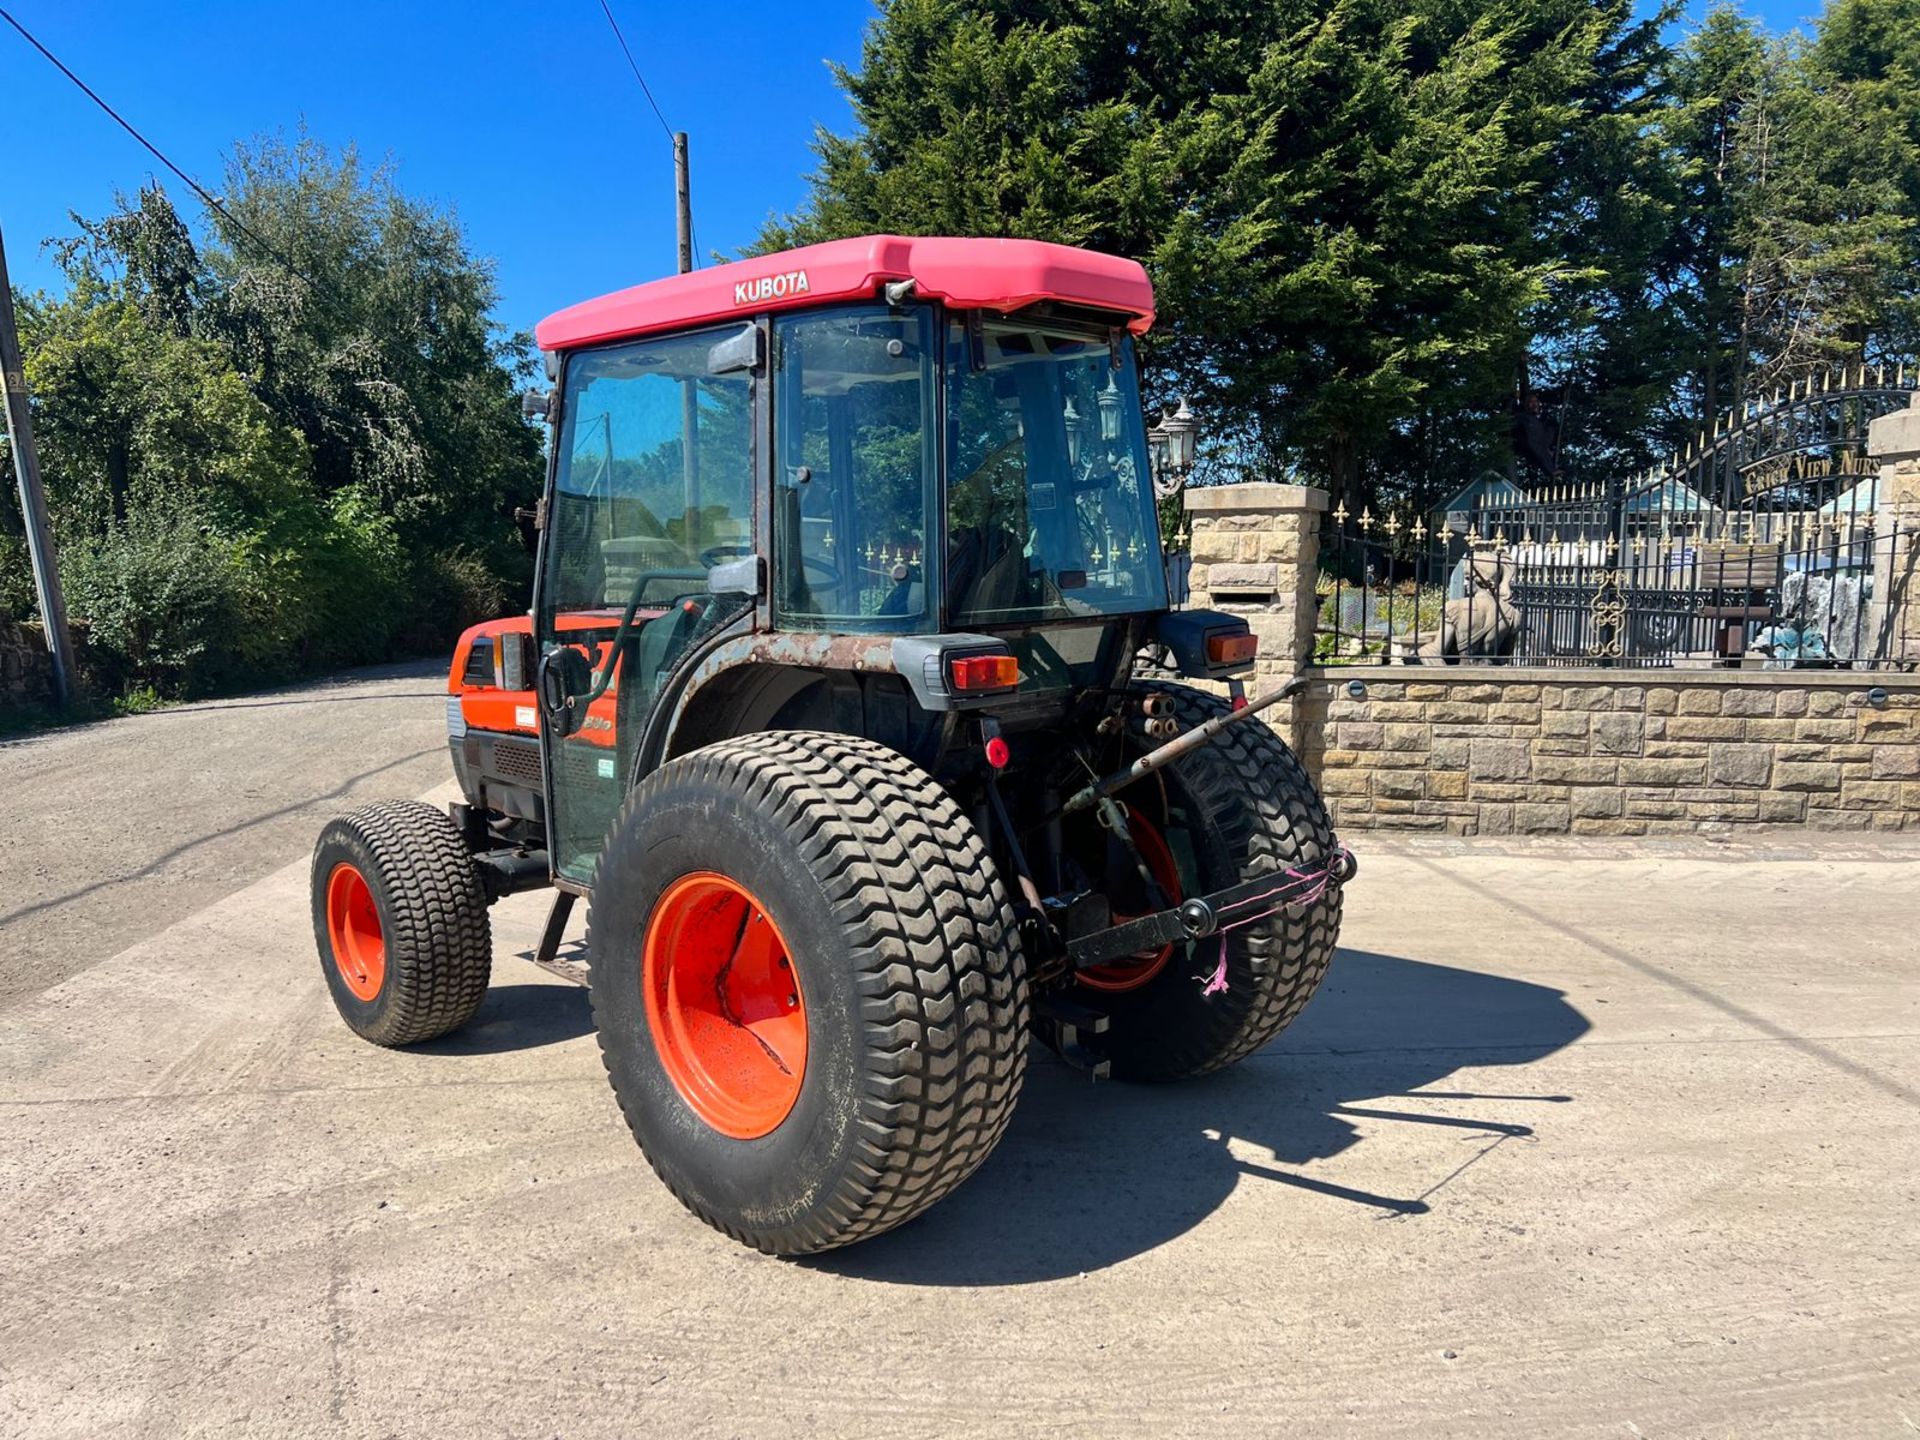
997 753
1232 649
983 672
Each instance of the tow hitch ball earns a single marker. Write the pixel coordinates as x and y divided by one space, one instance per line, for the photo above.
1197 918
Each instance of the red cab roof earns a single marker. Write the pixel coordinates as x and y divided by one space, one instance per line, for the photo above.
970 274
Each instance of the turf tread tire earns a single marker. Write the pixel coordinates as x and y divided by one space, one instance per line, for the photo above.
942 1015
433 917
1270 818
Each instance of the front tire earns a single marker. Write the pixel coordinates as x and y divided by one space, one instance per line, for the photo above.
401 921
796 1119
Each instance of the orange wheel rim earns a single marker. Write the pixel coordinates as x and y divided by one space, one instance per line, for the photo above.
724 1005
353 930
1137 969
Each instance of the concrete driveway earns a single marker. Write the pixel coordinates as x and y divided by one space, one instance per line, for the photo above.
1571 1143
111 831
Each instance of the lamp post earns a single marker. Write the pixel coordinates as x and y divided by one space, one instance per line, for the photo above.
1170 445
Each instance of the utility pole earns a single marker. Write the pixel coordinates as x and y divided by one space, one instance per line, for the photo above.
689 389
682 201
33 500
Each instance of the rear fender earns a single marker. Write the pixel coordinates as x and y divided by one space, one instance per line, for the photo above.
741 701
845 683
737 670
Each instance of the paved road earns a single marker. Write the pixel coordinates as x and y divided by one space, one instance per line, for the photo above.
1567 1145
114 831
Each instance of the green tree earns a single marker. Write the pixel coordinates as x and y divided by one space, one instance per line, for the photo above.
1355 216
129 414
1865 64
287 443
384 354
1721 86
1798 168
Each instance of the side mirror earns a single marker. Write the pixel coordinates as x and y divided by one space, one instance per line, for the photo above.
737 352
537 405
565 676
745 576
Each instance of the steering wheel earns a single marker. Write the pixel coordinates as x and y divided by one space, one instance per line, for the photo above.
604 678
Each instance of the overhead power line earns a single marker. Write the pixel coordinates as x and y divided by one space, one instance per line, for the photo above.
632 65
658 114
154 150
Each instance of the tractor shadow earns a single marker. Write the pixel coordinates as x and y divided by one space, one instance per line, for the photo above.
518 1017
1090 1175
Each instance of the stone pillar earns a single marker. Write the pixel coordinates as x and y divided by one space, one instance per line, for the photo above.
1894 440
1255 553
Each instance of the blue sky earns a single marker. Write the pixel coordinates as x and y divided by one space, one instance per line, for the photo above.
522 117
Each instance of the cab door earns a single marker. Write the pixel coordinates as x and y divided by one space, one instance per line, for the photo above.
652 488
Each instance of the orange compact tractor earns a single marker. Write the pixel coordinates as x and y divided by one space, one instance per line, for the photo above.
831 703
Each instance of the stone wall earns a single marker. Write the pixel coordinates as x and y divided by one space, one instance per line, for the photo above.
1554 751
26 670
1255 551
1494 751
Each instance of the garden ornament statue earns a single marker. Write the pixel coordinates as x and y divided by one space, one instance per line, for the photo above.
1484 624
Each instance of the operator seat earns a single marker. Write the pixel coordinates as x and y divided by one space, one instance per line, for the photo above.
987 570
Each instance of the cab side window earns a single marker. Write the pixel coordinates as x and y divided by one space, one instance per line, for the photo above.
855 469
655 479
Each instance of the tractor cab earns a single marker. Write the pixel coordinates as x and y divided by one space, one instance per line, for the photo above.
871 439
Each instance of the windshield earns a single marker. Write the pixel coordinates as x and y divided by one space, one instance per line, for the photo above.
1050 511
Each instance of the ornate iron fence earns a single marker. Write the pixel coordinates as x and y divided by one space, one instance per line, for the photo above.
1804 431
1763 542
1381 587
1803 572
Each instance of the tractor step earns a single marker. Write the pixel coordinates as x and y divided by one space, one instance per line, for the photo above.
569 962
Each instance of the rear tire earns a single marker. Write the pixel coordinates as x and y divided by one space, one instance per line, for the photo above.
401 921
1241 806
909 981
